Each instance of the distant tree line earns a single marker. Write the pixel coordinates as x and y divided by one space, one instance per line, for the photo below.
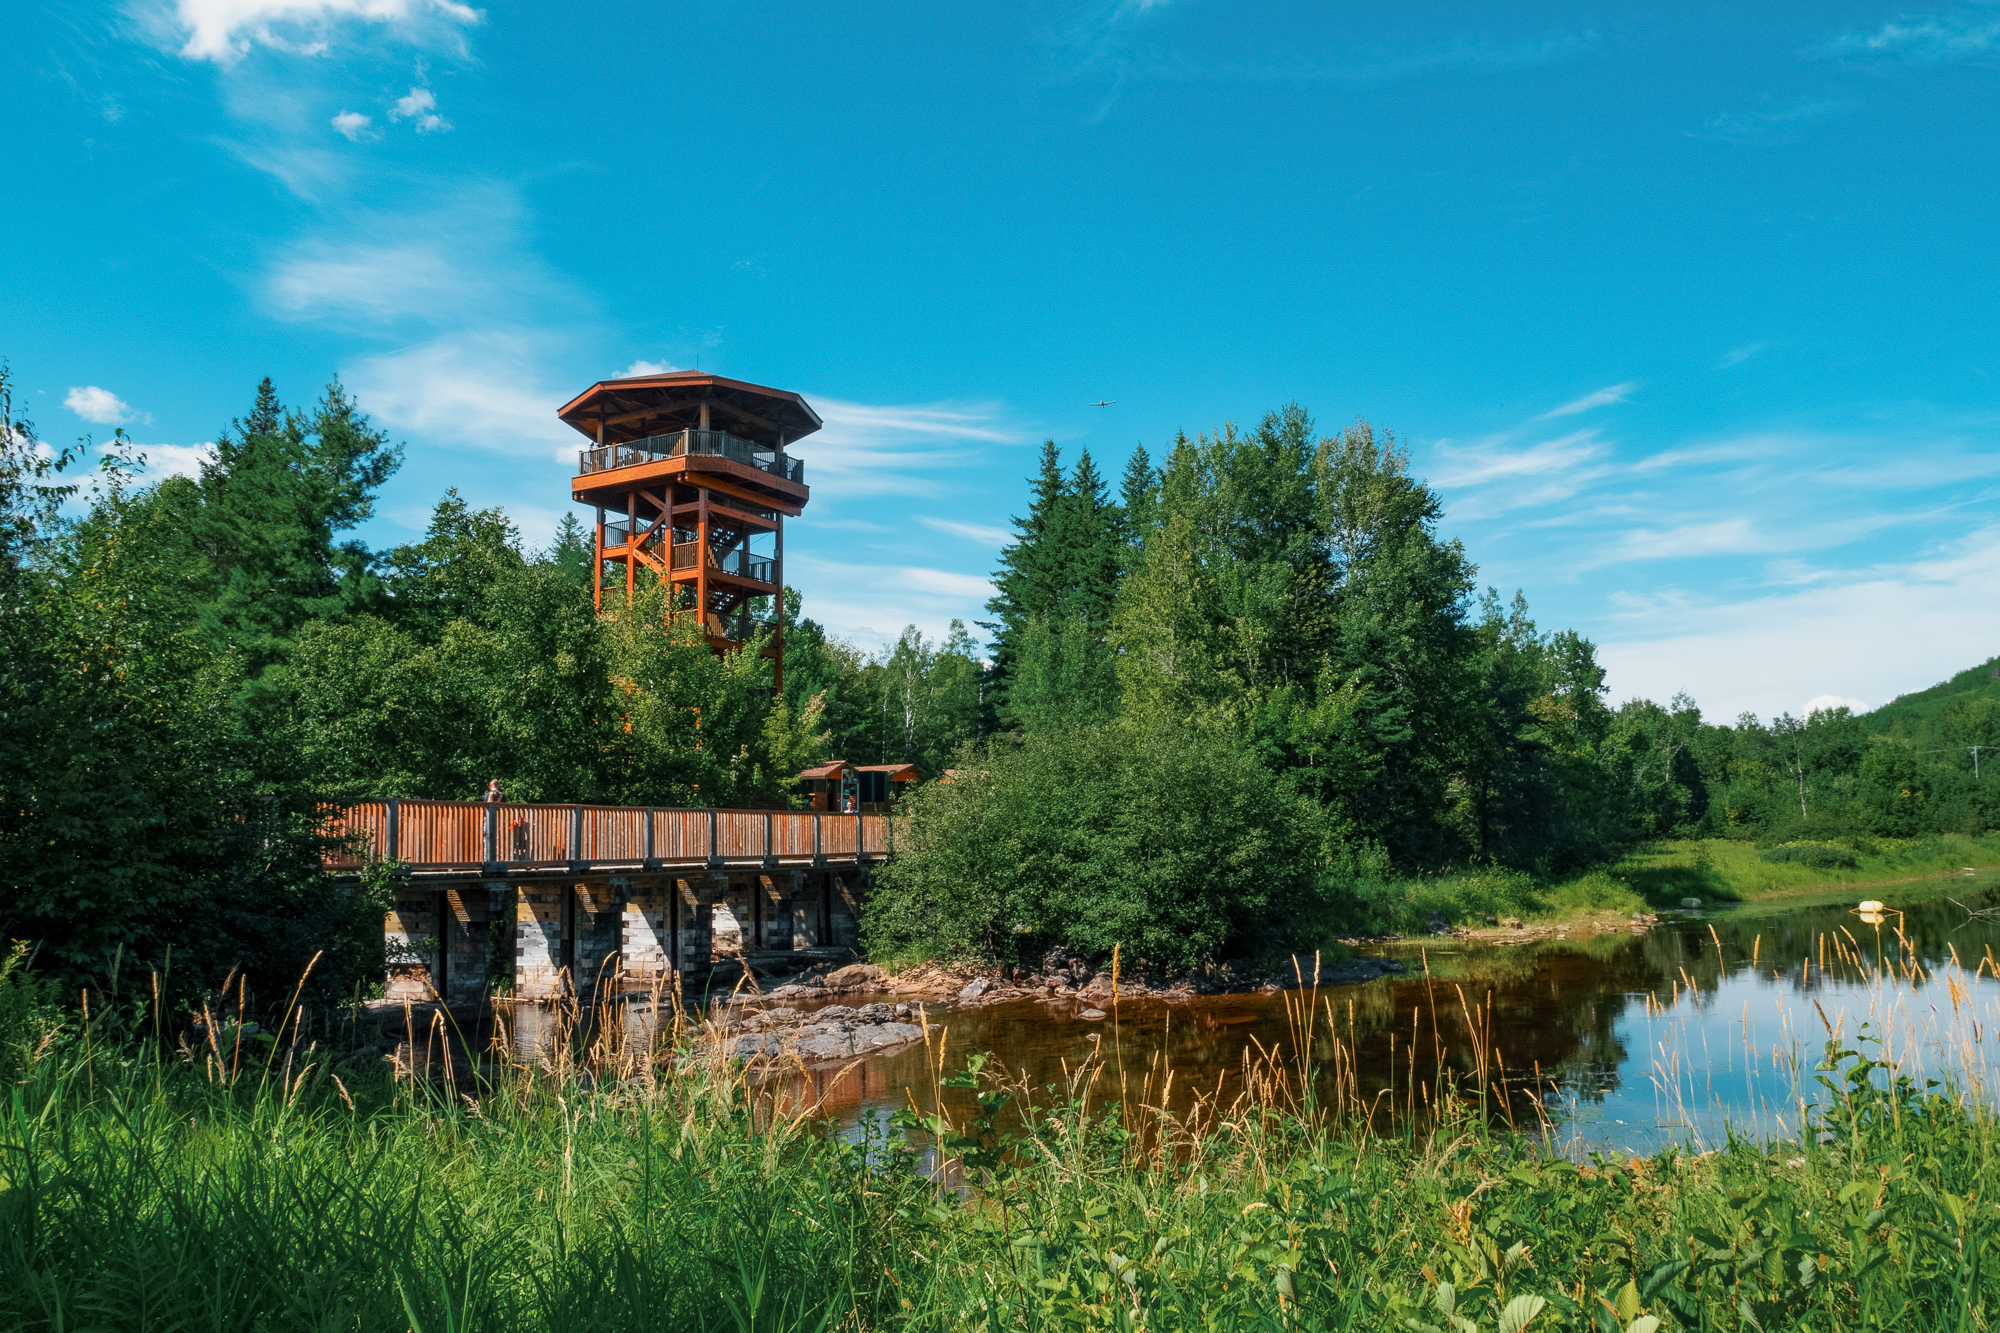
1250 685
1257 684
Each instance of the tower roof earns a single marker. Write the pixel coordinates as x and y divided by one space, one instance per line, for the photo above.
633 409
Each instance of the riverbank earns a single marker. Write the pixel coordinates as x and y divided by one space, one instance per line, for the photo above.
143 1189
1661 876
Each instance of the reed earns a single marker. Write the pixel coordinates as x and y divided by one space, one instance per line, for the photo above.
614 1172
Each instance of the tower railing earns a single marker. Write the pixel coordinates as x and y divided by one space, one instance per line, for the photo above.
680 444
761 568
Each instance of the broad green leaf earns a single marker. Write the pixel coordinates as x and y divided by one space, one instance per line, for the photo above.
1519 1311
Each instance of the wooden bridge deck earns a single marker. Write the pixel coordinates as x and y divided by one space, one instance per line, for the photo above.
475 838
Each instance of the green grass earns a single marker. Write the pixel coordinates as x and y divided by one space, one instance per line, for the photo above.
139 1192
1476 898
1718 870
1661 875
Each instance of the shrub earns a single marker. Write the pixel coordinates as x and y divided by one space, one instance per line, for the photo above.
1813 855
1167 841
27 1013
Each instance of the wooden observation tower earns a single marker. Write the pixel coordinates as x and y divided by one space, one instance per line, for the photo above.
690 478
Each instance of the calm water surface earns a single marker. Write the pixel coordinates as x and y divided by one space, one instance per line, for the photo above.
1704 1025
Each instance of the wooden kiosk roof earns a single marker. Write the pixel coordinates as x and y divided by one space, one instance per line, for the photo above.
647 405
834 768
826 772
896 772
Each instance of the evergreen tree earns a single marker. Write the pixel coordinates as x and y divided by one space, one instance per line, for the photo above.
1065 566
572 550
256 536
1137 491
1021 584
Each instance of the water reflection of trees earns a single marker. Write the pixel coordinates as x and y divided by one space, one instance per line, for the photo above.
1548 1015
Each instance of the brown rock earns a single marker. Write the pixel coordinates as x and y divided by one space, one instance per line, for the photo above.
855 976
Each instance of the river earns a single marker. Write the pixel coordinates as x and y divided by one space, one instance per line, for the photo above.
1706 1024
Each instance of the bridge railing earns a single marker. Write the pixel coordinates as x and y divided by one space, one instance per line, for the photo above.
477 836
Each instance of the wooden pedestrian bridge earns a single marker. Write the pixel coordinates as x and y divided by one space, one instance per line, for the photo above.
479 838
536 899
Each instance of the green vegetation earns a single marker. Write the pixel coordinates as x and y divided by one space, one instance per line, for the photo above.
1089 838
1254 700
248 1183
1656 875
1721 870
1949 713
1284 600
191 669
915 702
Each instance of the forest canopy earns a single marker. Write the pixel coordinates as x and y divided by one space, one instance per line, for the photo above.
194 667
1283 599
1256 684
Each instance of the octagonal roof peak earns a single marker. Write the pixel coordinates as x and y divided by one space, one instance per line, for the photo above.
619 410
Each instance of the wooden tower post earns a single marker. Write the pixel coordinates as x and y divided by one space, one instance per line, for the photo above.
686 472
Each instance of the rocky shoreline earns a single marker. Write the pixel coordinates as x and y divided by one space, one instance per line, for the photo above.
793 1021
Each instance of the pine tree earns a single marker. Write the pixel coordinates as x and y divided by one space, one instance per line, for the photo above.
571 550
1089 557
1138 490
261 524
1022 581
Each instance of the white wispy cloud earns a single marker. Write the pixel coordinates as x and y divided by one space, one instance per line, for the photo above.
1780 532
1826 703
638 368
1728 536
1495 460
891 448
1970 33
353 124
869 604
100 406
457 261
1737 567
173 460
984 534
1738 355
1776 123
486 391
375 283
1738 450
420 107
1754 654
225 31
1616 393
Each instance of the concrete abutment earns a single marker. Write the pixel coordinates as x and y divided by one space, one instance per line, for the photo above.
611 932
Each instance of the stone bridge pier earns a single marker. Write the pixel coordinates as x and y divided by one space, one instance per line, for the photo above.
538 937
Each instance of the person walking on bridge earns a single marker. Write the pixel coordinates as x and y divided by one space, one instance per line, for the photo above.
493 796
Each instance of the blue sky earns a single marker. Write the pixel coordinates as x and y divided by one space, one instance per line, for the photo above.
1688 310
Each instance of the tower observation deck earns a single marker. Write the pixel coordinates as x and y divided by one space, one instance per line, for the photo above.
690 478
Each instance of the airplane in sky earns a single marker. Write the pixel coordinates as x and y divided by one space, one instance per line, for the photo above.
1106 403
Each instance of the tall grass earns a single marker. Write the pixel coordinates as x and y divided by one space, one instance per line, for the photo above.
623 1178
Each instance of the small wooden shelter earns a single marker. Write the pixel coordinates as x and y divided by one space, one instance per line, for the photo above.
873 788
690 478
